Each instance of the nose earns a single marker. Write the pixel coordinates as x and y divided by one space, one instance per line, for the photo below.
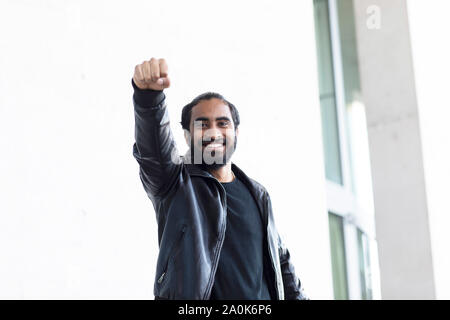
212 134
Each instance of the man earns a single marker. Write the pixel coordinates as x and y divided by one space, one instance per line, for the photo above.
216 230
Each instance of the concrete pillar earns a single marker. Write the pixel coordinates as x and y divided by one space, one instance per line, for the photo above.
388 88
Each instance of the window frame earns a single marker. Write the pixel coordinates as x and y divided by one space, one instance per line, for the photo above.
341 199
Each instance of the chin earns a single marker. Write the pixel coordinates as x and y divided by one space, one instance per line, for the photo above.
213 166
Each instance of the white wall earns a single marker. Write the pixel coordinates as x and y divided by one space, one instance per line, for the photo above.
429 27
74 219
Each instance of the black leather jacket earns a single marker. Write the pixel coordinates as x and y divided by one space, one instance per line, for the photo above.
190 206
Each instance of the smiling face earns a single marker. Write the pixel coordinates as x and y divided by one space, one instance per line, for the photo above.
212 137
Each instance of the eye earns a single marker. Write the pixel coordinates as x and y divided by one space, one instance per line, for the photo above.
200 124
223 123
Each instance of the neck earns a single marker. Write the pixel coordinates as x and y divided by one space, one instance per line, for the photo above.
223 174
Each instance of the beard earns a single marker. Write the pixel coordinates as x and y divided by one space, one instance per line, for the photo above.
212 160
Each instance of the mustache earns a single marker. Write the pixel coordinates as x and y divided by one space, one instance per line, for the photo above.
196 153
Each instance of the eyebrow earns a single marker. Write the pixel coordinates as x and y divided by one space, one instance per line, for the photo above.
207 119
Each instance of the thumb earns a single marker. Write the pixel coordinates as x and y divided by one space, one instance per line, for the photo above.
163 82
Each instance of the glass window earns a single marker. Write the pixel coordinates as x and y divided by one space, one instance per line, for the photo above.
355 116
338 262
364 266
330 130
346 150
349 53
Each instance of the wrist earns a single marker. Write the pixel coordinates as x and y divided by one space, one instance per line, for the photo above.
147 97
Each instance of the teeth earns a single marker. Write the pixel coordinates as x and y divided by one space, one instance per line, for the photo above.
214 145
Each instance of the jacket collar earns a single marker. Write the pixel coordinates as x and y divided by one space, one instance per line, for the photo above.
255 188
196 170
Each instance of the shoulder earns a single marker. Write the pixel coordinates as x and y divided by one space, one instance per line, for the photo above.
254 184
258 186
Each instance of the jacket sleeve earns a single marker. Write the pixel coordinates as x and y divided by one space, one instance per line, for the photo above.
293 289
155 149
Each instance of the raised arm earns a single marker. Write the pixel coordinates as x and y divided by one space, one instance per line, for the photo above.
155 149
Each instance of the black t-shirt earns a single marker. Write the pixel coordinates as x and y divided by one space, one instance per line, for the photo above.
240 272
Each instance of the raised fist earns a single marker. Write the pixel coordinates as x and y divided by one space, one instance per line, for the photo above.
152 74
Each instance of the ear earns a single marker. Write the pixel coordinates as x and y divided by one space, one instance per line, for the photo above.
237 131
187 137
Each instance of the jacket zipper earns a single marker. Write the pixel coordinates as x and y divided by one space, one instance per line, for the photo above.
175 244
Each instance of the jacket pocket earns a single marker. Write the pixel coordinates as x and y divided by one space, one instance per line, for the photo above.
175 244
